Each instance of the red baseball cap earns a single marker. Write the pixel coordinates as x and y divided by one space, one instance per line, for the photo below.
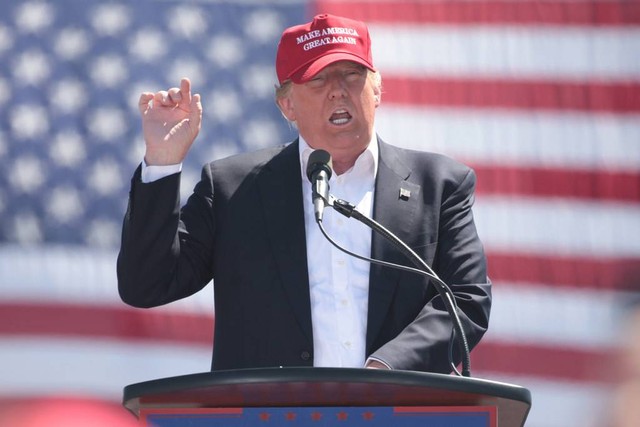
306 49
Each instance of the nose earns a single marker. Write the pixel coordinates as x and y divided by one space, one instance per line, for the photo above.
337 87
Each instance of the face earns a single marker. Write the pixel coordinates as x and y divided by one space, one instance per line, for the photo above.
335 110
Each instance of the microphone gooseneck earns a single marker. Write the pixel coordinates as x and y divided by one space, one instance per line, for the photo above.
448 297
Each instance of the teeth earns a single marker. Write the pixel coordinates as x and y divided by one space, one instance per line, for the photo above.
343 116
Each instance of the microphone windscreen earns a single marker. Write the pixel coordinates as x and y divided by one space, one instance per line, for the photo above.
319 160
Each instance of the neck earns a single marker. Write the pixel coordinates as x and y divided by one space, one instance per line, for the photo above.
342 158
343 153
341 166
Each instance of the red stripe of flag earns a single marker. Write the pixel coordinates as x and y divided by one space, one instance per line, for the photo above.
615 274
120 323
461 12
552 363
174 328
597 184
619 97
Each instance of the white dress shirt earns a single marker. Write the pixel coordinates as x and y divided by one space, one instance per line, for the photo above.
338 282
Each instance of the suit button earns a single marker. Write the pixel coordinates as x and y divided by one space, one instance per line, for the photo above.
305 355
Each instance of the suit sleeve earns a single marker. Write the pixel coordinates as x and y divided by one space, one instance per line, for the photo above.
165 253
460 262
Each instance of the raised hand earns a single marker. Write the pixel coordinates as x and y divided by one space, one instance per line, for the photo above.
171 121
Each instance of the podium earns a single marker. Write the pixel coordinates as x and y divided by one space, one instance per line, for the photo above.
326 396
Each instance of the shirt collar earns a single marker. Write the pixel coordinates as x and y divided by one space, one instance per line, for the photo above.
367 160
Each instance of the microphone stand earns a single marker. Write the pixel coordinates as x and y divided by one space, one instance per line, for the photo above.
347 209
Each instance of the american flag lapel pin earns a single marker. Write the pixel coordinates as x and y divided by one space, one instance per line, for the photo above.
405 194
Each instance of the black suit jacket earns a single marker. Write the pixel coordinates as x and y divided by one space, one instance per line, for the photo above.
244 227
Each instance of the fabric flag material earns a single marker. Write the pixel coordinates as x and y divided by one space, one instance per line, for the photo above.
71 72
541 98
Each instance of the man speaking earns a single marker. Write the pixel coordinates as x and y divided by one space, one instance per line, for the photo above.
284 296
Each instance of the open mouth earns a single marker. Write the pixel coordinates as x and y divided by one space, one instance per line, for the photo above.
340 117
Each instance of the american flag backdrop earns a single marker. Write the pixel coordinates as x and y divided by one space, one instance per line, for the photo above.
541 98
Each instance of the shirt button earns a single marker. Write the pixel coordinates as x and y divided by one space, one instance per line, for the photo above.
305 355
344 301
340 262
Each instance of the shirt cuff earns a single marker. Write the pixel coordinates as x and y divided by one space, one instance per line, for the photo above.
369 359
154 173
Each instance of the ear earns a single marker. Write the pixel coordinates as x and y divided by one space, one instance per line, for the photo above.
377 94
286 106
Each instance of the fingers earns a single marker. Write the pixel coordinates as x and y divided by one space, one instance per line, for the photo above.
162 98
174 98
143 102
197 102
185 90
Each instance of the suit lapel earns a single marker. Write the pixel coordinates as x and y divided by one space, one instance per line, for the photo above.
395 206
281 192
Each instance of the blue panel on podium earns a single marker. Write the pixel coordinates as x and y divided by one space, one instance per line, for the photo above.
456 416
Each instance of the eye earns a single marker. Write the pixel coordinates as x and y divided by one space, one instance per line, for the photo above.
316 81
354 73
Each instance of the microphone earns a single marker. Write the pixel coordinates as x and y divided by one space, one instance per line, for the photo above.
319 172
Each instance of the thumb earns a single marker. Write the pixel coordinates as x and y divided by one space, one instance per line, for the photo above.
195 114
